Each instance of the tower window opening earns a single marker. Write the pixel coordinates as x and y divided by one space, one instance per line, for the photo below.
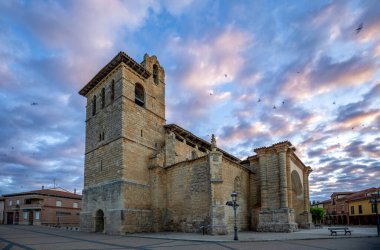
139 95
94 105
113 90
103 98
155 74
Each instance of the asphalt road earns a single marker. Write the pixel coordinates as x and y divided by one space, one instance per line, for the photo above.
34 237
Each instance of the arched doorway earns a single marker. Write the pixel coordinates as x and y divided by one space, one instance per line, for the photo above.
99 221
297 195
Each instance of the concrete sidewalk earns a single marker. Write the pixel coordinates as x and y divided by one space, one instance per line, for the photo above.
320 233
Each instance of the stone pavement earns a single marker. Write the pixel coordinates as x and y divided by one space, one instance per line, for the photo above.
303 234
15 237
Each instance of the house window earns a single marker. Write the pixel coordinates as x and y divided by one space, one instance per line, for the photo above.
352 210
25 215
10 203
94 105
58 203
139 95
373 208
360 209
37 215
103 98
113 90
17 202
75 205
155 74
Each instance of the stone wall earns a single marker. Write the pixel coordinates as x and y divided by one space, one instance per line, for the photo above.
230 172
188 196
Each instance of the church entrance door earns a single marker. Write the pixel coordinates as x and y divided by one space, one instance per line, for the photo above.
99 221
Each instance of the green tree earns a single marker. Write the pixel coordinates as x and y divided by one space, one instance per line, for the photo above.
317 214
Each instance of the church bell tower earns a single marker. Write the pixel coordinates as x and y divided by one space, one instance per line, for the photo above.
125 118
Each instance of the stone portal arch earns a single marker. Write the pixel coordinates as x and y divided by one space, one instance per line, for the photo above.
297 195
99 221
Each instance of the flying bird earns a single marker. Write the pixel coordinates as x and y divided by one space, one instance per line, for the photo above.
334 103
283 102
358 29
225 75
34 104
274 106
259 100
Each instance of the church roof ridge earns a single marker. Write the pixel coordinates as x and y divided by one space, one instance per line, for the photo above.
275 144
119 58
187 134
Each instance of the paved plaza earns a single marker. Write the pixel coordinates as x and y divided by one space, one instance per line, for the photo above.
38 237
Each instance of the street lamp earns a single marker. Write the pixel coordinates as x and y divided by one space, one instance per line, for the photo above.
234 205
376 200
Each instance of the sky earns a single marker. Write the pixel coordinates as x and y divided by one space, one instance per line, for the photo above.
251 72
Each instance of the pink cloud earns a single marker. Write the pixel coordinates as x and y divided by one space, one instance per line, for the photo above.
211 61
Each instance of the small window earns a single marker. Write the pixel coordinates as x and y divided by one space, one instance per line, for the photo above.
25 215
101 165
113 90
58 203
94 105
360 209
237 185
75 205
139 95
155 74
10 203
141 133
373 208
103 98
37 215
17 202
352 210
194 155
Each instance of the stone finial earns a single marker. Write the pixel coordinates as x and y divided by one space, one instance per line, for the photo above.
213 142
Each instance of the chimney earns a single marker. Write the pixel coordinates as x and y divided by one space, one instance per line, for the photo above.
75 191
43 187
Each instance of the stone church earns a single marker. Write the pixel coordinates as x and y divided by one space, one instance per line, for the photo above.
143 175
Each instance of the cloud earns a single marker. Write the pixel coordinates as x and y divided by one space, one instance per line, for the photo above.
210 61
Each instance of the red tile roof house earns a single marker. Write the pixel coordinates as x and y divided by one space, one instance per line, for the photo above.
50 207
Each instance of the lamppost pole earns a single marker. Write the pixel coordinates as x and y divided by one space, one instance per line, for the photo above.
234 205
235 227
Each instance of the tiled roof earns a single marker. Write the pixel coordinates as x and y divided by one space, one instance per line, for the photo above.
360 194
47 192
199 141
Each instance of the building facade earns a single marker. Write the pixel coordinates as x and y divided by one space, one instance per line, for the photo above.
141 174
2 202
42 207
362 210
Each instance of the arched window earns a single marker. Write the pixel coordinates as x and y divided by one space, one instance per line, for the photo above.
103 98
113 90
237 185
155 74
94 105
139 95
